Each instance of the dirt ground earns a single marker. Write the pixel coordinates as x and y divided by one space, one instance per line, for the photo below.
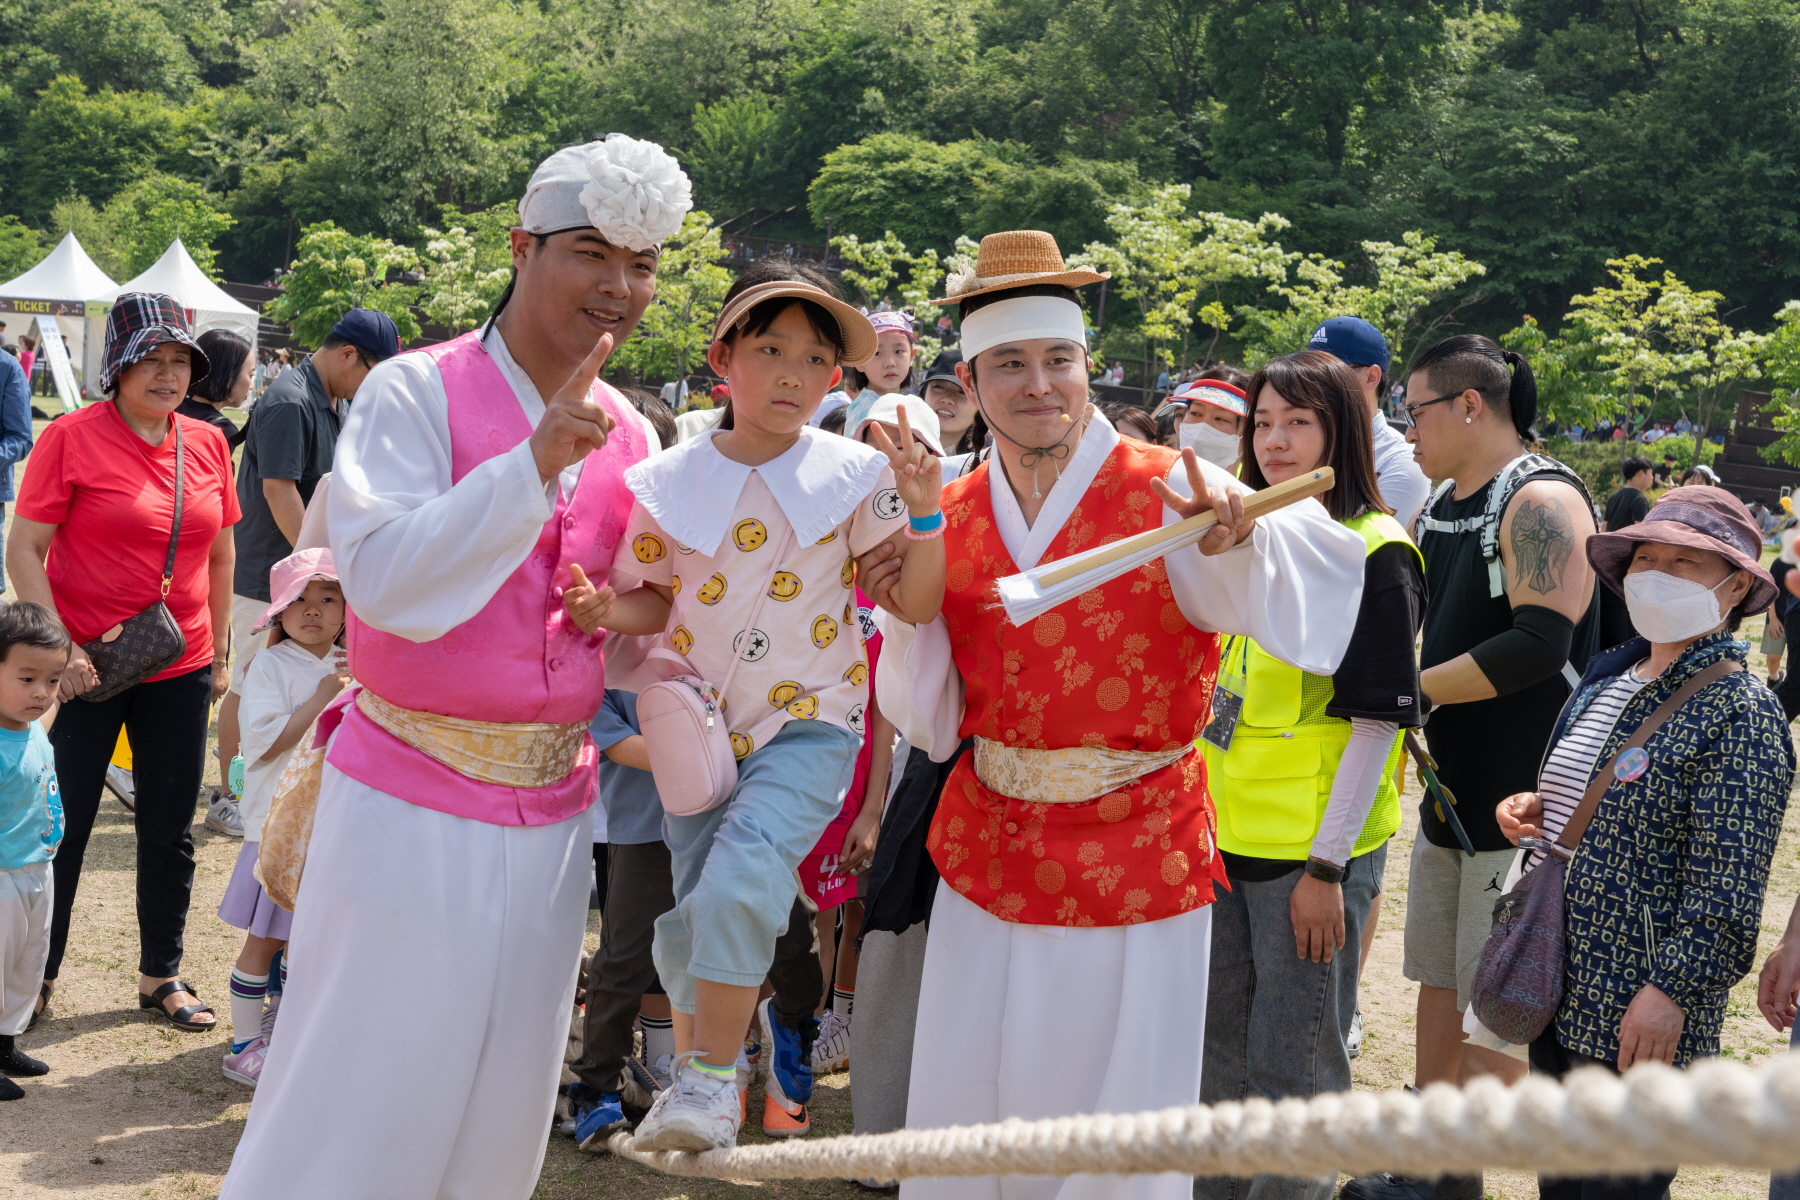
134 1108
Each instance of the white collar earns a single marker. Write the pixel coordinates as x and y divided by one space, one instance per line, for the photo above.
1027 543
692 489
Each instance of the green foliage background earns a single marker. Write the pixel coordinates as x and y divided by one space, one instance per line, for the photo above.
1539 138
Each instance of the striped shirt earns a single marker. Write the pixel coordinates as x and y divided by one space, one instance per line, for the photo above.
1570 765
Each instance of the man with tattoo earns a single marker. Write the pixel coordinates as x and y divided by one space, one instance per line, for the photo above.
1512 619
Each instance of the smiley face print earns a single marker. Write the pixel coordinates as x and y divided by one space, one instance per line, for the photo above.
649 548
806 708
785 585
847 576
741 746
858 674
782 693
824 631
712 591
748 534
682 640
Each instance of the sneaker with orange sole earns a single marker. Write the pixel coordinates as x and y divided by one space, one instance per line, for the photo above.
782 1118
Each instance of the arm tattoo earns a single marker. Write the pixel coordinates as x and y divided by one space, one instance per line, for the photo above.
1543 538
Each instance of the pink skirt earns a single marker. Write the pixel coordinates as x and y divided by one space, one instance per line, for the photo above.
246 906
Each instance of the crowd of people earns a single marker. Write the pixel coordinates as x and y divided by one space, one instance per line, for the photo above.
785 670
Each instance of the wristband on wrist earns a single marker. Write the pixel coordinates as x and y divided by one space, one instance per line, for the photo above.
1323 871
916 536
926 524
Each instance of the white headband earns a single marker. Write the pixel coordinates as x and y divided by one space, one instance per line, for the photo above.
1022 318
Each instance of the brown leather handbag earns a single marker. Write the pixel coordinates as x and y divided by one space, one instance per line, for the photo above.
131 652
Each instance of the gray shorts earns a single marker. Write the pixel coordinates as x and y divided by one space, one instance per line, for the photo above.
1449 912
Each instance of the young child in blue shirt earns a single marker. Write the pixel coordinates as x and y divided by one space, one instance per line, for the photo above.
34 649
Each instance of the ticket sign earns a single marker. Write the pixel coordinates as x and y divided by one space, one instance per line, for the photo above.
57 355
46 308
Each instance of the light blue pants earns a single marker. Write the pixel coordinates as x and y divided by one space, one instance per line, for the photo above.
734 866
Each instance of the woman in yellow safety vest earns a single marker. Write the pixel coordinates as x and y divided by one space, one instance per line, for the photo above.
1301 768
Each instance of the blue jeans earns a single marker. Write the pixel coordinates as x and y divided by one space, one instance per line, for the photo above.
1276 1022
1787 1187
734 866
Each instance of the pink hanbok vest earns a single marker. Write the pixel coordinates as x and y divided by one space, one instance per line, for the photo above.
520 659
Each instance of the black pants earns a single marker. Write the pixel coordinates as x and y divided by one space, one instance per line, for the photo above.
166 722
1551 1057
638 889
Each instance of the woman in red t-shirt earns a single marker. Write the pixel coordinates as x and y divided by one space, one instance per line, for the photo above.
89 540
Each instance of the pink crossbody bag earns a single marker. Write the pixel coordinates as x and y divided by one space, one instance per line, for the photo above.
683 722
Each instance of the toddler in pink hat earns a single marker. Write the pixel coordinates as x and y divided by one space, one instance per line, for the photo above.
287 686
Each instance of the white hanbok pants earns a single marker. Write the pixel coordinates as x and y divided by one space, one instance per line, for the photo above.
1039 1021
422 1030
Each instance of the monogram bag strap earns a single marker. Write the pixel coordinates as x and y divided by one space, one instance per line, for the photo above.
738 647
1603 778
168 575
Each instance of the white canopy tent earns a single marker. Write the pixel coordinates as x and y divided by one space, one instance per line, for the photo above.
209 307
62 286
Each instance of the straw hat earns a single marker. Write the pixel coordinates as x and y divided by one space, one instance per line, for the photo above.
1017 258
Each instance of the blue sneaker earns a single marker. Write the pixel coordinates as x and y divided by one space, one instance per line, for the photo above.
598 1115
787 1054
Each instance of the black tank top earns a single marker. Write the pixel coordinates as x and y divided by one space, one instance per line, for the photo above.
1486 750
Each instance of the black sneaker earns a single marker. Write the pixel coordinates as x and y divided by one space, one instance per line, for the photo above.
10 1090
15 1062
1401 1187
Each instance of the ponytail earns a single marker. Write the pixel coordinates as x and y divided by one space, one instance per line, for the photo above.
1521 396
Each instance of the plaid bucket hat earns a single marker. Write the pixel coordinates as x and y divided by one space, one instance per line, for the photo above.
140 322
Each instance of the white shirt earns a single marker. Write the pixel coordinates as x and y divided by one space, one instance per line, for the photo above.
417 556
696 421
1403 485
279 680
1289 586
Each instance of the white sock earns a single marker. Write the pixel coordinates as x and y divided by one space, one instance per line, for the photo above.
247 993
659 1036
843 1000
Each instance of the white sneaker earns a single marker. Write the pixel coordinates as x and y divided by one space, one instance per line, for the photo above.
663 1071
120 784
698 1113
1353 1043
222 816
831 1050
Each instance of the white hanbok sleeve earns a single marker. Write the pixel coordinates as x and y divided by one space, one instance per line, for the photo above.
417 555
1294 585
918 686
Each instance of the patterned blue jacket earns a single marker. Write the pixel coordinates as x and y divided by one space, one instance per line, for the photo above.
1666 887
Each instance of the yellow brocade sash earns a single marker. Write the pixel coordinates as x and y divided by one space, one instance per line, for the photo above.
1071 776
524 754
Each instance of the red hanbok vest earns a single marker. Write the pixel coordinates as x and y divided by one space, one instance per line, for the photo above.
1118 666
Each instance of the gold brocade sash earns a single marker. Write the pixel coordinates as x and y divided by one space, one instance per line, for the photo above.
524 754
1071 776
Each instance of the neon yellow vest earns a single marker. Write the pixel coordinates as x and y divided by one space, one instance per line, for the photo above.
1272 786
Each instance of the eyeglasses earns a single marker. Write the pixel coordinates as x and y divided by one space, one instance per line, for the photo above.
1410 409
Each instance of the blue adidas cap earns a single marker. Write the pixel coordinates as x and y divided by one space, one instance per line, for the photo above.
1353 340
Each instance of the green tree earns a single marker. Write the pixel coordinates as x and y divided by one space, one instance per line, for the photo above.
677 328
1782 369
921 191
91 227
152 212
467 267
885 272
93 145
417 128
1409 277
20 248
337 271
1167 260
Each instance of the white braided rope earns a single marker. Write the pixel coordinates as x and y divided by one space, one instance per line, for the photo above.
1716 1114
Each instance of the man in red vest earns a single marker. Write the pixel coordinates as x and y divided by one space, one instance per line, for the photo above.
1066 969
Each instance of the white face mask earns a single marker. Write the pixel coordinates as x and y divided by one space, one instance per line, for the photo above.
1668 608
1210 442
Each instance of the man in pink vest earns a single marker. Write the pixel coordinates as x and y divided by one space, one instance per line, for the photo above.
439 927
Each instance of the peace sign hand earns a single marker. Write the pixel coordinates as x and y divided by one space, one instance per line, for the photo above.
918 475
1233 526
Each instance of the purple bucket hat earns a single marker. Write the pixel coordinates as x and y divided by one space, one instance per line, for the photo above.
1705 518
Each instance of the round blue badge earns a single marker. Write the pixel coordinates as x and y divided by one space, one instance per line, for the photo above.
1632 764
